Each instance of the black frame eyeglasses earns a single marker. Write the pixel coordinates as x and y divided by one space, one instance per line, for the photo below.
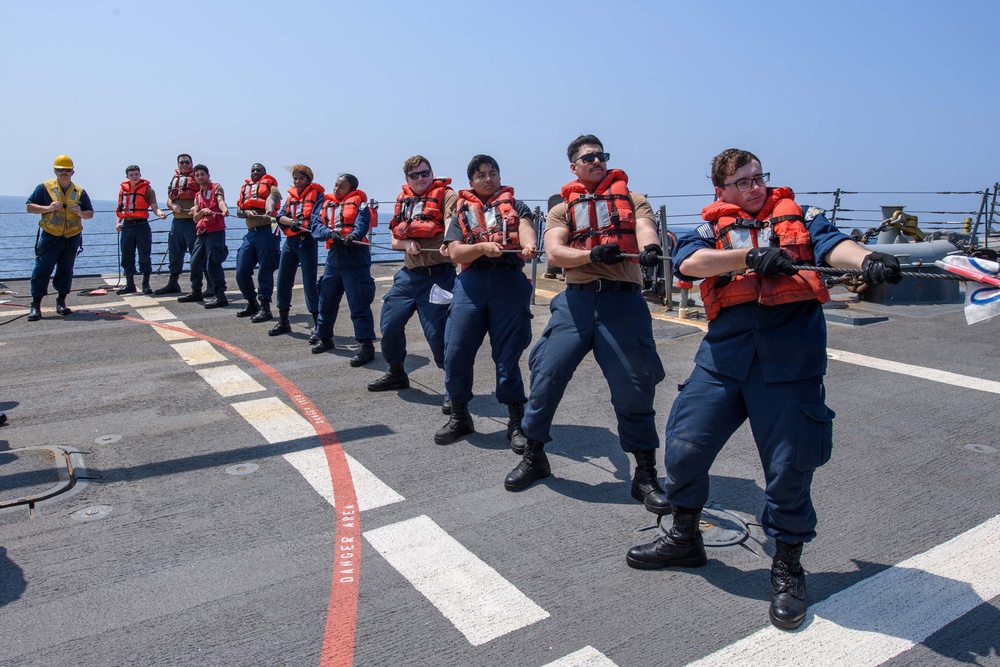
416 175
593 157
744 184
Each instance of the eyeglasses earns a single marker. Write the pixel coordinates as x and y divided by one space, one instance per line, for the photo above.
745 184
591 157
63 171
415 175
184 162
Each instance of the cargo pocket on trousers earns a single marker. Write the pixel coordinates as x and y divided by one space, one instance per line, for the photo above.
652 367
815 443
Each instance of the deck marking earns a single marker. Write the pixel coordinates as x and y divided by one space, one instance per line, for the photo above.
342 612
155 314
229 380
140 300
588 656
198 352
966 381
177 331
479 602
881 617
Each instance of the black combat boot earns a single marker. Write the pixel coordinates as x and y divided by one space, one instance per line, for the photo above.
395 378
195 295
252 308
446 405
322 345
645 487
533 467
146 289
515 413
35 311
365 354
172 286
459 424
265 312
128 287
61 308
681 546
788 587
282 327
220 300
314 336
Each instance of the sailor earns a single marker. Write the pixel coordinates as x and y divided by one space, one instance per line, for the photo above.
135 199
259 200
492 295
343 221
763 359
602 310
180 200
210 247
417 226
64 206
300 248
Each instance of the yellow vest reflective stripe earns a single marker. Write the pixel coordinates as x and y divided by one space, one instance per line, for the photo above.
62 223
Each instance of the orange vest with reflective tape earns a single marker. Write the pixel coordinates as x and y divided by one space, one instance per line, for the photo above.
495 222
604 216
340 215
420 216
300 206
182 186
253 196
132 202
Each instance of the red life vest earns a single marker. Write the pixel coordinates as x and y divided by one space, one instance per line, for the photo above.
785 228
420 216
132 202
606 216
340 216
214 221
495 222
300 206
182 186
253 196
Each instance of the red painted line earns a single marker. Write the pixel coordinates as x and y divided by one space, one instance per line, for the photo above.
342 612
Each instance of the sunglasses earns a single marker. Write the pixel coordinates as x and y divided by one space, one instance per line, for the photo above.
184 162
415 175
63 171
594 157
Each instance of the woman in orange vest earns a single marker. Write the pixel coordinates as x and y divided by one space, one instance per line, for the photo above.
135 199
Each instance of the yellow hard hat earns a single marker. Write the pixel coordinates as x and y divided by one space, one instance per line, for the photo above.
63 162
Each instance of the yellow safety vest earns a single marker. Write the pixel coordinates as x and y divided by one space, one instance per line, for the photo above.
62 223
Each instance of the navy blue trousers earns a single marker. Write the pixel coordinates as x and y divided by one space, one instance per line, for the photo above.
495 302
410 293
54 252
300 250
791 424
357 283
260 247
619 330
136 237
209 247
179 241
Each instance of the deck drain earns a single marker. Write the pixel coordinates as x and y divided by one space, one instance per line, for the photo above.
982 449
107 439
242 469
719 528
92 513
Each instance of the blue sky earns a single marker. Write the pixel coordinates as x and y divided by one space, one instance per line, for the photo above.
858 95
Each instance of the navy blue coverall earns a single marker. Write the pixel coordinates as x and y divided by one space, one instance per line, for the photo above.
260 246
300 250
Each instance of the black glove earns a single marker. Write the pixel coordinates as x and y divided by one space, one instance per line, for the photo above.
609 253
296 226
879 267
771 262
651 255
351 239
336 238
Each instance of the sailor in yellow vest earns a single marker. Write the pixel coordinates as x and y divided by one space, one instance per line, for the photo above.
63 206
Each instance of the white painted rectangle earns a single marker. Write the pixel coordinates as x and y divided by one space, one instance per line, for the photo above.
229 380
169 334
878 618
966 381
139 300
588 656
198 352
480 603
155 314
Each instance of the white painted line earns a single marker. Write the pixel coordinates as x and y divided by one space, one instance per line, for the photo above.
229 380
278 422
966 381
140 300
169 334
110 278
480 603
588 656
155 314
198 352
878 618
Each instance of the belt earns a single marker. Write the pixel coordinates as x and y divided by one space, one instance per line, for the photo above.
603 285
265 226
430 270
133 222
493 264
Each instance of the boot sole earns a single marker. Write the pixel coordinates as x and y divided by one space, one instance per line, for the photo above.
644 565
784 625
522 487
448 439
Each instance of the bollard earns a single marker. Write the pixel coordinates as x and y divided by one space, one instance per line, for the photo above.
683 286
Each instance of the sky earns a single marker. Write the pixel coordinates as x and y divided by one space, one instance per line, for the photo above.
862 95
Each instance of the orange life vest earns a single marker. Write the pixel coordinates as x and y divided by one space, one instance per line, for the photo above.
214 221
340 215
132 202
182 186
779 224
496 221
420 216
604 216
300 206
253 196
